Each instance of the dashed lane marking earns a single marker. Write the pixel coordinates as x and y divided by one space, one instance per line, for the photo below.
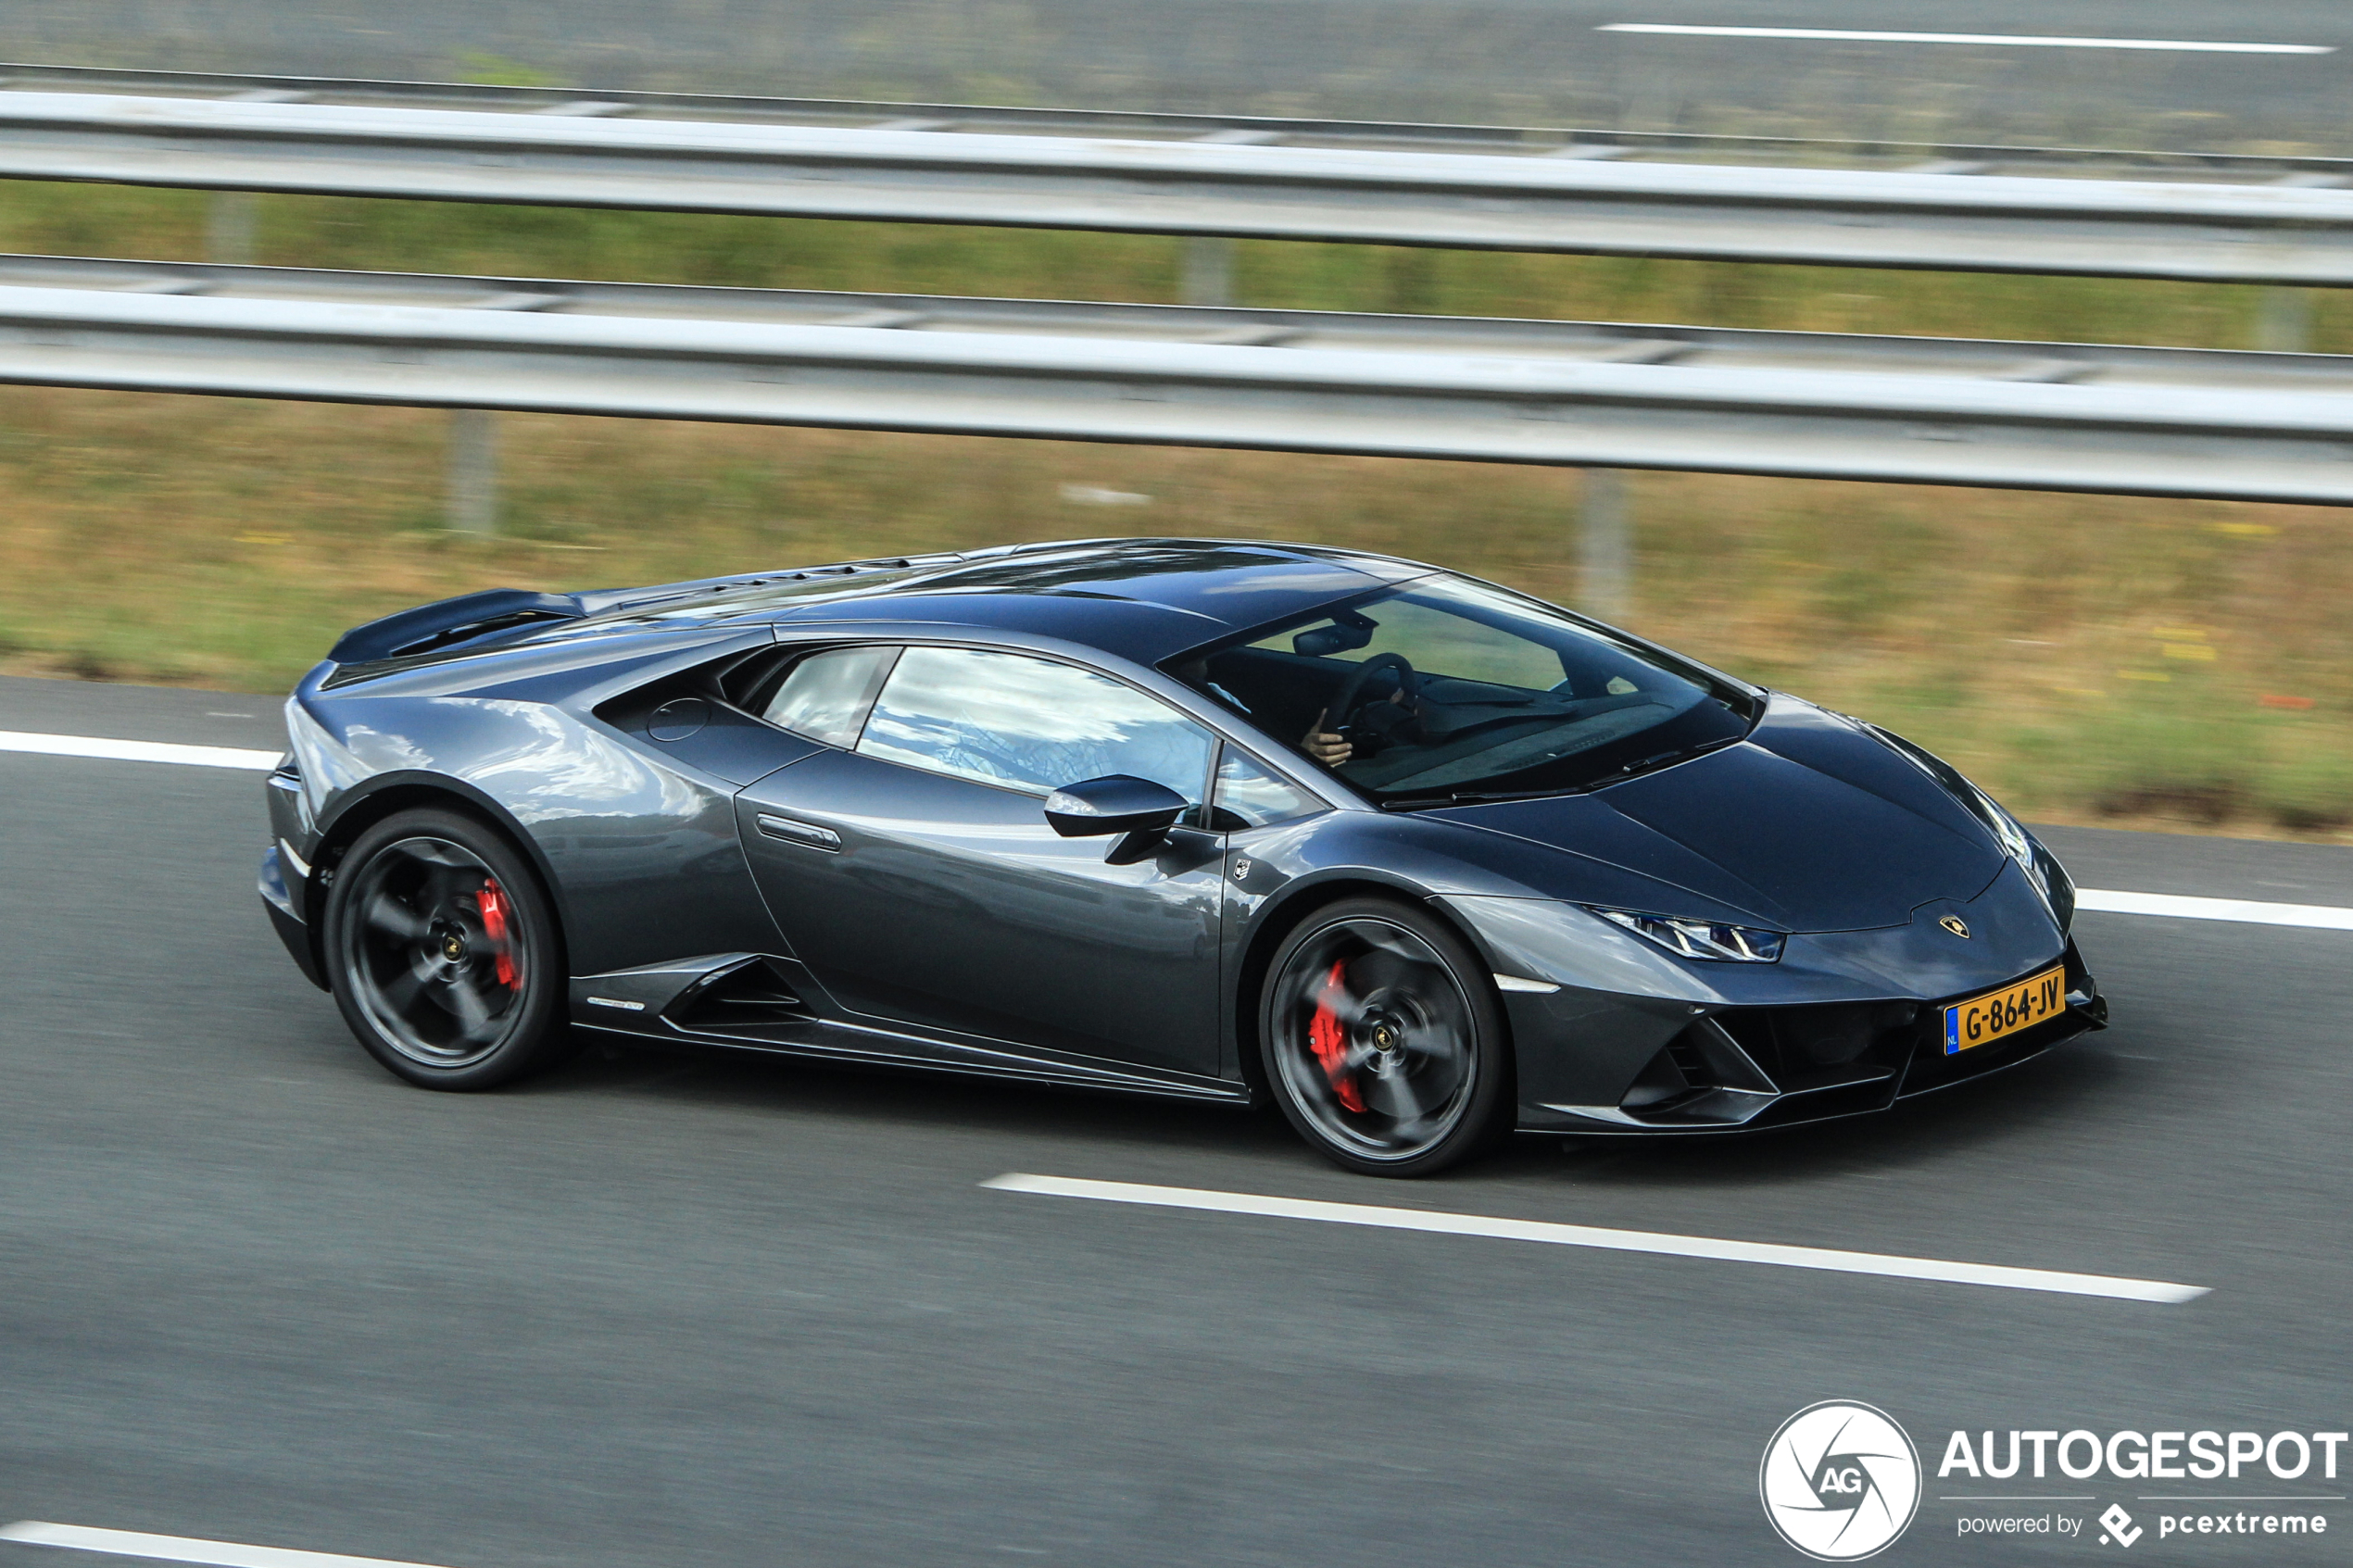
1997 40
179 1548
2178 905
1498 1229
137 750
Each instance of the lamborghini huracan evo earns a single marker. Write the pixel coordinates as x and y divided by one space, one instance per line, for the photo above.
1419 859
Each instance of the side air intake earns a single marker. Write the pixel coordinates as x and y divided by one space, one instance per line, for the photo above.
746 999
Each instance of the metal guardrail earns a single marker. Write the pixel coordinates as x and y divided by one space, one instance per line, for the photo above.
2061 417
868 114
1439 186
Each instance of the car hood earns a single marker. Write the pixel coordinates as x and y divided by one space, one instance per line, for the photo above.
1809 824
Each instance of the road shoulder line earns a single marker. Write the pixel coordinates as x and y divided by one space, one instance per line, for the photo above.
1500 1229
2182 905
137 750
179 1548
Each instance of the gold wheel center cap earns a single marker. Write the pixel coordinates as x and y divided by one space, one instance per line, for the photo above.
452 950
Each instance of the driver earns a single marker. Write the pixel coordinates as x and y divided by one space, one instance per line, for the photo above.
1325 746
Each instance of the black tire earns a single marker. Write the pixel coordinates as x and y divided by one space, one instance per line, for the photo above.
1383 1040
444 954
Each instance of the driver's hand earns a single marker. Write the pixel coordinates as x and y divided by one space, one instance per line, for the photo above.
1325 747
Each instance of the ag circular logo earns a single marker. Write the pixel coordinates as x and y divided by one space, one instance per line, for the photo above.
1839 1481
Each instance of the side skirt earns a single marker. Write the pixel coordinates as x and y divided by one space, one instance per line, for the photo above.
749 1002
824 1040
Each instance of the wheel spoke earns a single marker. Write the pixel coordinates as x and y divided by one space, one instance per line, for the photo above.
399 993
440 885
1393 1092
1390 942
1387 970
1439 1046
390 917
1345 1005
475 1024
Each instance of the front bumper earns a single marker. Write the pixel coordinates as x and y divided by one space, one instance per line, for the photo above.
285 916
1738 1069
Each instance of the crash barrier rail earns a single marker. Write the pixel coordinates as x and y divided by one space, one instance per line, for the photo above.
2163 421
869 114
2215 219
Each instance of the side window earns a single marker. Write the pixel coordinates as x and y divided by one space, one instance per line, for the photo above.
826 696
1029 725
1251 795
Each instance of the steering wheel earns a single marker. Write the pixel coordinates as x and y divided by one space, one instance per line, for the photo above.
1350 695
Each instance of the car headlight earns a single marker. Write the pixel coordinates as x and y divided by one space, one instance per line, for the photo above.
2015 843
1701 938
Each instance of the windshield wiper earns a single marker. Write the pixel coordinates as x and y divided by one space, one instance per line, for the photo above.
1651 763
1626 770
1472 797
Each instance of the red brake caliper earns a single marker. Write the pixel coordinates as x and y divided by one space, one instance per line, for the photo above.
1331 1042
492 905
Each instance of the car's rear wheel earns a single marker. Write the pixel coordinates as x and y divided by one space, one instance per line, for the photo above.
1384 1043
443 953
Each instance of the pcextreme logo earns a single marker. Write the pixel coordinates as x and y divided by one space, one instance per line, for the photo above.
1840 1481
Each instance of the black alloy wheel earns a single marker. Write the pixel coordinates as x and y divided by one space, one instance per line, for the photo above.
443 952
1383 1040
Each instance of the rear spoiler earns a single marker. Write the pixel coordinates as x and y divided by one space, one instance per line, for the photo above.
429 628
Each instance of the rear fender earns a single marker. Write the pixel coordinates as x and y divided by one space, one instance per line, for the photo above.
638 849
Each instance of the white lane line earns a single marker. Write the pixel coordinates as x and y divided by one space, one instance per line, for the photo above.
178 1548
2180 906
137 750
2006 39
1609 1240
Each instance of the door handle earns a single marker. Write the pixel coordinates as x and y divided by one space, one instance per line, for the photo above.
806 833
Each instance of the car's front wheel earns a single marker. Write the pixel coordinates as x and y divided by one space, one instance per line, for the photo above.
1383 1040
443 953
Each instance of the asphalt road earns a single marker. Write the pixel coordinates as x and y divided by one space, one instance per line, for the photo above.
688 1308
1516 61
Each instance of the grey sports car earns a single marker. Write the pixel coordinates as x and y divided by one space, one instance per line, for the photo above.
1418 859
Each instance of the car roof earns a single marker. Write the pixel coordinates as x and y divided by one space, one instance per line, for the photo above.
1142 599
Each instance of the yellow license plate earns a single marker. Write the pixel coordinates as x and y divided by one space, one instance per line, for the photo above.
2006 1011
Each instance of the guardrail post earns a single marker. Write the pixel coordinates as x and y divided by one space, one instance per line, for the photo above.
473 470
2284 321
229 221
1606 557
1206 275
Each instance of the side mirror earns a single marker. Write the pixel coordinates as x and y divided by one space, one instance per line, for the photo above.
1118 803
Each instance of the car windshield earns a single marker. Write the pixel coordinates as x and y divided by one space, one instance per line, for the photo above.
1447 689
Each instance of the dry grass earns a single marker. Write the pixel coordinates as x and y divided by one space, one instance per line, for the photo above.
2091 659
